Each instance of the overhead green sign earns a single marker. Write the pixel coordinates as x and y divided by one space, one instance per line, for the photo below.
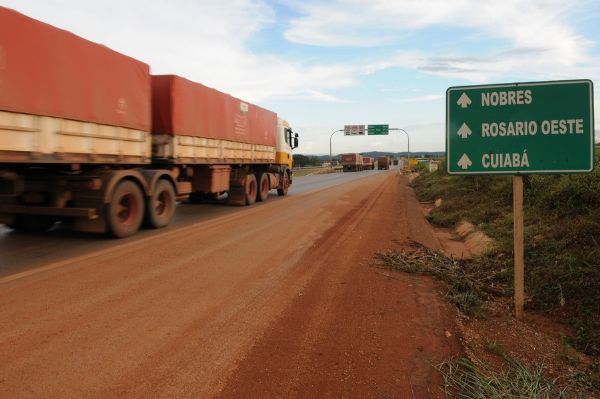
378 130
520 128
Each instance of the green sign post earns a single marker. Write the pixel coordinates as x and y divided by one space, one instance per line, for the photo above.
378 130
517 129
520 128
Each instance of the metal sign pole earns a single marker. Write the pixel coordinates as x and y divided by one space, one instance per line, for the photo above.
408 140
330 153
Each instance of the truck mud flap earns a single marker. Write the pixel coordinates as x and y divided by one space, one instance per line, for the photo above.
236 196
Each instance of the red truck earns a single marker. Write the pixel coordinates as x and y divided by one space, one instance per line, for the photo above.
383 163
89 138
352 162
368 163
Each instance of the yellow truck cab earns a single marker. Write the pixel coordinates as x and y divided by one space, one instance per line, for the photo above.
286 142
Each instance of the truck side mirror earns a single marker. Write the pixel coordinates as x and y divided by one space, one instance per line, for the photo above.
295 141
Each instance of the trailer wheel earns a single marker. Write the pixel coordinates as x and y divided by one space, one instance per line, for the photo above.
250 189
161 205
125 210
263 186
285 185
32 223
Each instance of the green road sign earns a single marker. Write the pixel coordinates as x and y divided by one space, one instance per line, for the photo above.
520 128
378 130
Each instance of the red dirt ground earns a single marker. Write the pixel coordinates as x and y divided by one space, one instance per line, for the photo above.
355 330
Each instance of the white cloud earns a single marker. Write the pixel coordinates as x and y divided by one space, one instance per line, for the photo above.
531 24
315 95
205 41
420 99
540 39
525 64
211 41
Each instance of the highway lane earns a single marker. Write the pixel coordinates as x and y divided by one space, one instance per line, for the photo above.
314 182
22 252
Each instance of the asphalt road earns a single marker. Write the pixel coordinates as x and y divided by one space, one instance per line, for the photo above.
21 252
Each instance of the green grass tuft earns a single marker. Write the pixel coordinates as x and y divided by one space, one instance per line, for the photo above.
473 379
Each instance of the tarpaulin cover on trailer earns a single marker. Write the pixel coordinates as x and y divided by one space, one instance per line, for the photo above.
182 107
48 71
351 158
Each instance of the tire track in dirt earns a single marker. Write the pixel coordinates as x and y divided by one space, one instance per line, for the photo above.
354 332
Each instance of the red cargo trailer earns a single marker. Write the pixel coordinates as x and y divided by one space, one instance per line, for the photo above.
237 130
352 162
76 142
51 72
181 107
383 163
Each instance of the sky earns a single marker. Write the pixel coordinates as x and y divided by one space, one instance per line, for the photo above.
325 64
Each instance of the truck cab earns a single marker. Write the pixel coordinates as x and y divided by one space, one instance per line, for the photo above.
287 140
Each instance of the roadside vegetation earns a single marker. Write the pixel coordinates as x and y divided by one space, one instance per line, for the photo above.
308 160
562 239
562 268
469 284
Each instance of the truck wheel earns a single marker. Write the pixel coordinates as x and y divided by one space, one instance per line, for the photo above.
161 205
250 189
126 209
263 186
285 184
32 223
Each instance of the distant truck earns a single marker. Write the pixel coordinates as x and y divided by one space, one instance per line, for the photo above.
352 162
88 137
383 163
368 163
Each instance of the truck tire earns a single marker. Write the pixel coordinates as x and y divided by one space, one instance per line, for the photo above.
161 205
250 189
32 223
285 185
125 210
263 186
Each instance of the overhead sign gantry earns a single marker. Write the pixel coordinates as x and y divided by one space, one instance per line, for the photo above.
359 130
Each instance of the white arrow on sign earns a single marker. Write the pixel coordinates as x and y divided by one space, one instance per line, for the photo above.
464 101
464 131
464 162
